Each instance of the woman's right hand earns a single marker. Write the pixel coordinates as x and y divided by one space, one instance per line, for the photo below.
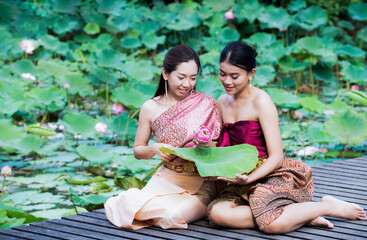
163 156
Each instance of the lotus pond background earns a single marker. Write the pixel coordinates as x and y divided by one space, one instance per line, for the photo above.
85 56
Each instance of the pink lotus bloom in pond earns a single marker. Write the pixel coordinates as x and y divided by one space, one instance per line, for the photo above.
354 87
6 170
66 85
229 14
27 45
28 76
101 128
117 108
309 150
203 135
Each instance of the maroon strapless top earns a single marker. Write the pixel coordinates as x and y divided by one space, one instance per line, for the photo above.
243 132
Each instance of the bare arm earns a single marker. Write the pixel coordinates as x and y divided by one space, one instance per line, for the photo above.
141 148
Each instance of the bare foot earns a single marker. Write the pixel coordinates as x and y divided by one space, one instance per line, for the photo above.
345 209
321 222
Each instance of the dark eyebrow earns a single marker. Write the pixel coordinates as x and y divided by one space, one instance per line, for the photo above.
185 74
235 73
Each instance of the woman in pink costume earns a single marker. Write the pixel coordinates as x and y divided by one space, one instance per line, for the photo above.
276 195
176 194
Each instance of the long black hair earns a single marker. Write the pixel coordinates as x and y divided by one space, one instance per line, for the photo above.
240 55
175 56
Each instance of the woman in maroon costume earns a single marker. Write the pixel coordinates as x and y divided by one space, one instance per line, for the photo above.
276 195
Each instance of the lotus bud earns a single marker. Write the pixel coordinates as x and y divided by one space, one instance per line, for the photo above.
203 135
27 45
309 150
6 170
101 128
117 108
66 85
354 87
28 76
229 14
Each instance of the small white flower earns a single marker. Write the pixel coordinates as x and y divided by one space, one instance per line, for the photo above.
101 128
329 112
28 76
6 170
27 45
309 150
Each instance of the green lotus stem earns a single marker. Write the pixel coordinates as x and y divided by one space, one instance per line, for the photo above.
44 117
2 189
107 104
118 130
76 106
127 124
71 199
82 56
69 103
312 80
95 143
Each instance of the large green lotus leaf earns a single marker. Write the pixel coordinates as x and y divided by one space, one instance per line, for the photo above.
129 97
351 51
109 58
91 28
312 45
78 84
312 104
311 18
346 25
183 18
129 182
23 66
48 95
362 34
323 73
119 23
131 129
9 132
228 34
49 42
210 58
353 73
289 128
94 155
219 161
358 96
53 213
130 42
103 41
101 74
331 32
110 7
64 6
358 11
249 9
146 27
261 39
264 75
19 213
140 71
151 40
348 127
295 6
135 165
218 5
276 17
77 123
90 202
319 136
205 12
338 106
28 144
288 64
271 54
283 98
64 24
52 67
8 11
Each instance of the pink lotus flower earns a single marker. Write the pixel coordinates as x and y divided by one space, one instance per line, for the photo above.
27 45
229 14
6 170
28 76
309 150
117 108
66 85
354 87
101 128
203 135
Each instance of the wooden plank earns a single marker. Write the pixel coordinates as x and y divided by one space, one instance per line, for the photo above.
13 234
42 232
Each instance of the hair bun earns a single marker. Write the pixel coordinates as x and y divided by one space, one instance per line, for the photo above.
255 53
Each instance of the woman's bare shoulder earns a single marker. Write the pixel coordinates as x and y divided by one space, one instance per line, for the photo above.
262 99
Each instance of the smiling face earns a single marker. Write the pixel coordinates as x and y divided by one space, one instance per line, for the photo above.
235 80
182 80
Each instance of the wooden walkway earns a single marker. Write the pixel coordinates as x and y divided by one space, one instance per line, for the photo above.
346 180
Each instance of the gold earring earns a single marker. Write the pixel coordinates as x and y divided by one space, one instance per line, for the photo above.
249 88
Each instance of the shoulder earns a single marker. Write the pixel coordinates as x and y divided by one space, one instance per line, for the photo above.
149 107
262 99
223 100
205 97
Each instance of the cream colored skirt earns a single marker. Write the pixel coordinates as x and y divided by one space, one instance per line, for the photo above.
169 200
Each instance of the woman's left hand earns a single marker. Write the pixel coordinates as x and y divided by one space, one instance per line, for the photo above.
240 179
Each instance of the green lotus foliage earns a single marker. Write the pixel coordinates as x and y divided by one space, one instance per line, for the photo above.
348 127
313 104
94 155
249 10
29 144
351 51
219 161
311 18
91 28
358 11
354 73
358 96
283 98
264 75
77 123
276 17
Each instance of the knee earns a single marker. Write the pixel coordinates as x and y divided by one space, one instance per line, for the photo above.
217 216
276 227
